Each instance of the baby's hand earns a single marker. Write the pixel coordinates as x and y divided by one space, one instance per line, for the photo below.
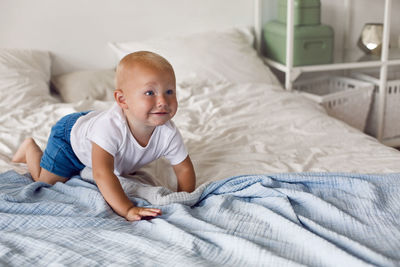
136 213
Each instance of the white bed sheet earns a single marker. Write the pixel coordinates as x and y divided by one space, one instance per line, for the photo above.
229 129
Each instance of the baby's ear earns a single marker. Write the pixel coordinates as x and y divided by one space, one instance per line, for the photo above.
120 98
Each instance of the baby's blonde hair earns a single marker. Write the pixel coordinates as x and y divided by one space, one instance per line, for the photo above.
146 58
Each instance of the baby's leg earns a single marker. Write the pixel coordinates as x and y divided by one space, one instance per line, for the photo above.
31 154
50 178
20 155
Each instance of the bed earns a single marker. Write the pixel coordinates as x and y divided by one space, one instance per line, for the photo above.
279 182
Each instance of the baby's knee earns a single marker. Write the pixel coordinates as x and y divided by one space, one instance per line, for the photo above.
52 181
50 178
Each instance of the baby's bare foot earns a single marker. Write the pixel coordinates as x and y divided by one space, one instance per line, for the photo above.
20 155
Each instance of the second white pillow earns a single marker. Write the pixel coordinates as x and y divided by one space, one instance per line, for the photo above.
217 56
89 84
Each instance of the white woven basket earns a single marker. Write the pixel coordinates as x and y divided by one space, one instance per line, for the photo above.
343 98
391 123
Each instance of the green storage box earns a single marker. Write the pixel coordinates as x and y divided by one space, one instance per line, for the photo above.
306 12
311 45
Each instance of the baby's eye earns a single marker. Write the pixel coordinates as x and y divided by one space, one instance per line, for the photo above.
149 92
170 92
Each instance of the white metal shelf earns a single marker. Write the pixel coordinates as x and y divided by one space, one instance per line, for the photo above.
352 59
297 70
292 72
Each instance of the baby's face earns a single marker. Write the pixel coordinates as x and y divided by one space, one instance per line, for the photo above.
150 95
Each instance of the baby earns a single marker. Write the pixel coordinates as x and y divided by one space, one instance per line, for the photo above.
136 130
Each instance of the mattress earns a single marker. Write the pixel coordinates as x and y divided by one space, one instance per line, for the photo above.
229 129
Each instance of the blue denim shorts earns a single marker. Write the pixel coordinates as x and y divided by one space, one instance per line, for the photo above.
58 157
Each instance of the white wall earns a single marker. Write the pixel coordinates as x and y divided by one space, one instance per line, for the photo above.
361 12
76 32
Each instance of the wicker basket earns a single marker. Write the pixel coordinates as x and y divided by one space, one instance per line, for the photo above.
343 98
391 124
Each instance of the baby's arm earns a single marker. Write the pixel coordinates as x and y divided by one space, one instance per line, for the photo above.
111 189
184 172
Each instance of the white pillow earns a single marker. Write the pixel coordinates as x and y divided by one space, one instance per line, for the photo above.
24 71
216 56
90 84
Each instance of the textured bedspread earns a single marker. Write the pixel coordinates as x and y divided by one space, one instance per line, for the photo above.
328 219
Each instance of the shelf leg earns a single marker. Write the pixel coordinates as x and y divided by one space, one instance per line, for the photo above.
258 24
289 44
383 70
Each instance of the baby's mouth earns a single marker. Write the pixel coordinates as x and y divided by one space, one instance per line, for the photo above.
160 113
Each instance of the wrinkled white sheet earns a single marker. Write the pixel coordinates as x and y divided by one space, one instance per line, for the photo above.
229 130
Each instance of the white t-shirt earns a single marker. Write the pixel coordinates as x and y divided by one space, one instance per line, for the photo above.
109 130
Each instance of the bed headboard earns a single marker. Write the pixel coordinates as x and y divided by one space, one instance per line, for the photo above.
76 32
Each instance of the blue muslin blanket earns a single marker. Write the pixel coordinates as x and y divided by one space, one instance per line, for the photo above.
320 219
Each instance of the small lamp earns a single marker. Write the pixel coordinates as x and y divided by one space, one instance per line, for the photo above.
370 40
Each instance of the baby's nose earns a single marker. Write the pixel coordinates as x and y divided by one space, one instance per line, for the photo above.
161 101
